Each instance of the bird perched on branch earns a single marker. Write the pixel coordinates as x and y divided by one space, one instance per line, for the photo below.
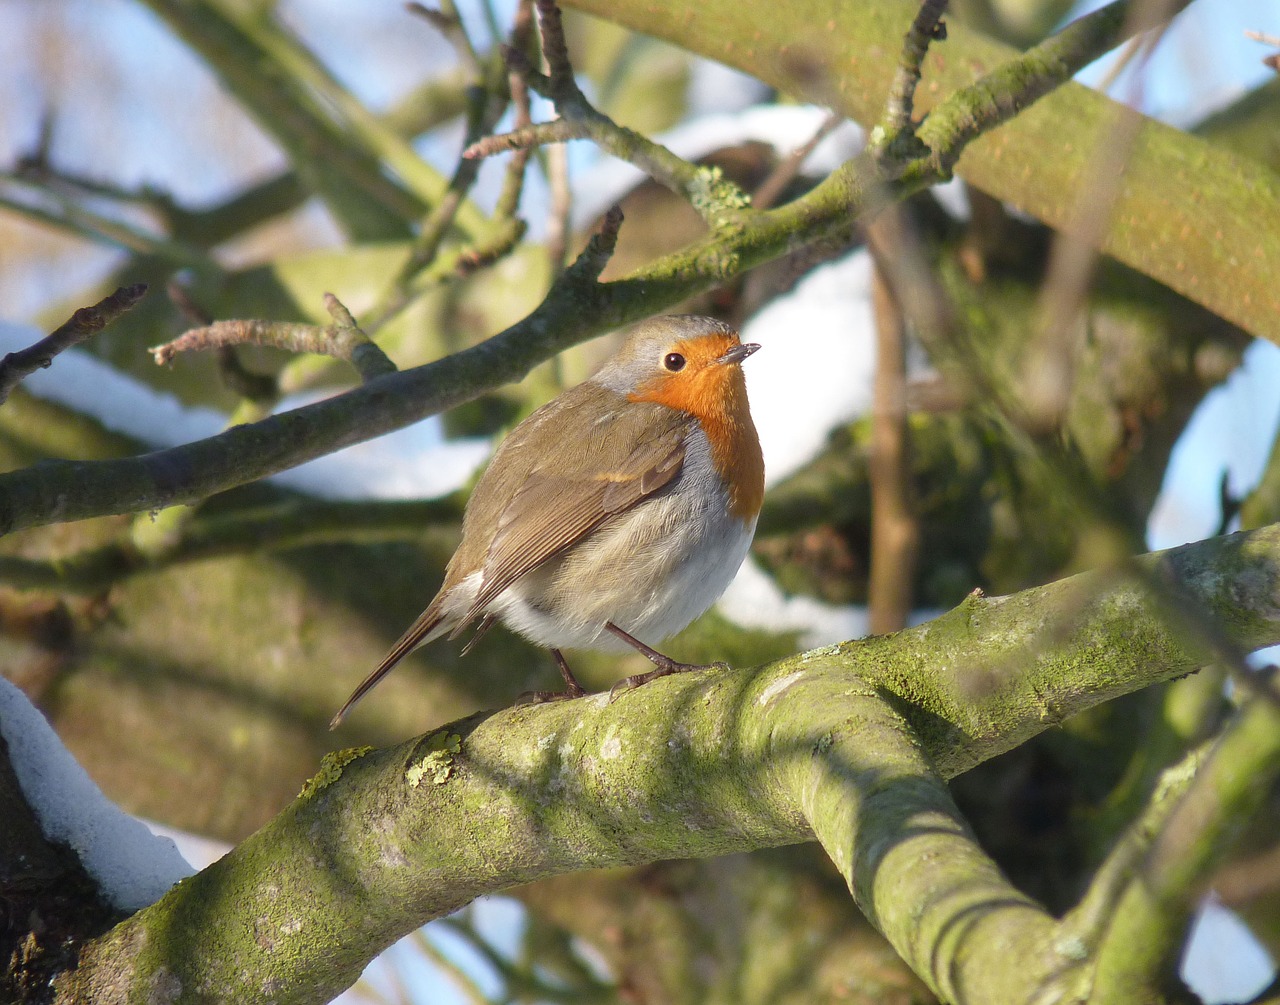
616 513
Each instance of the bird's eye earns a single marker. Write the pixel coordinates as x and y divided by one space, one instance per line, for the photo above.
673 361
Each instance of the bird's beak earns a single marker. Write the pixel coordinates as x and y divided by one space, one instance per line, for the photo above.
739 352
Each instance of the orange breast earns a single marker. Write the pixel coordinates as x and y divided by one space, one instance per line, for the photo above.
717 396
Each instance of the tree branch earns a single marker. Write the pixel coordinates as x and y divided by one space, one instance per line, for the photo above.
342 340
573 310
71 490
82 325
1149 923
838 742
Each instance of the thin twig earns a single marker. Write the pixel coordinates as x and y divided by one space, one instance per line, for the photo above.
560 211
1049 365
895 530
769 190
81 326
259 388
1273 60
595 256
527 137
926 28
182 299
488 102
1262 37
469 990
450 26
342 340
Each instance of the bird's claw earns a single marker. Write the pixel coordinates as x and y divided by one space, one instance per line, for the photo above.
661 670
541 697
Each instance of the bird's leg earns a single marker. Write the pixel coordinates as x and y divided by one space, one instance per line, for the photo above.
572 689
663 665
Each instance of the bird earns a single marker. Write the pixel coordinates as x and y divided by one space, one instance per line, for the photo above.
618 511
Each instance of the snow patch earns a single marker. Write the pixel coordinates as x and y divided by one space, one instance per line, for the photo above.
132 866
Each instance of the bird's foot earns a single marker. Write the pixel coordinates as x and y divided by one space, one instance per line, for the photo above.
572 689
663 667
540 697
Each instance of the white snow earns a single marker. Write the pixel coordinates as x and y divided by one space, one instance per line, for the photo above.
133 866
816 363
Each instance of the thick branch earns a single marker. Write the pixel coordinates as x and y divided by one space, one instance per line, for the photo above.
697 765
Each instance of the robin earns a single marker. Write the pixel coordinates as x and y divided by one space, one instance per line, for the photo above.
619 510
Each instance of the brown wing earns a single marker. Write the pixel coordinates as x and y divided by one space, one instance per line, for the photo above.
536 498
561 501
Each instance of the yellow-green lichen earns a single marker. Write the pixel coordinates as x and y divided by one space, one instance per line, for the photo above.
331 769
712 194
437 764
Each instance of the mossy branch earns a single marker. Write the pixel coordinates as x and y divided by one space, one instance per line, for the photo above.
840 743
272 528
1149 924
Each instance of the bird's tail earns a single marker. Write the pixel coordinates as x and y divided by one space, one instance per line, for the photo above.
429 625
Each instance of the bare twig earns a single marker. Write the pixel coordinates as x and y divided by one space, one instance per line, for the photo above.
1049 366
926 28
781 176
342 340
895 531
488 102
1249 880
182 299
449 24
82 325
595 256
526 137
1273 60
255 387
560 211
